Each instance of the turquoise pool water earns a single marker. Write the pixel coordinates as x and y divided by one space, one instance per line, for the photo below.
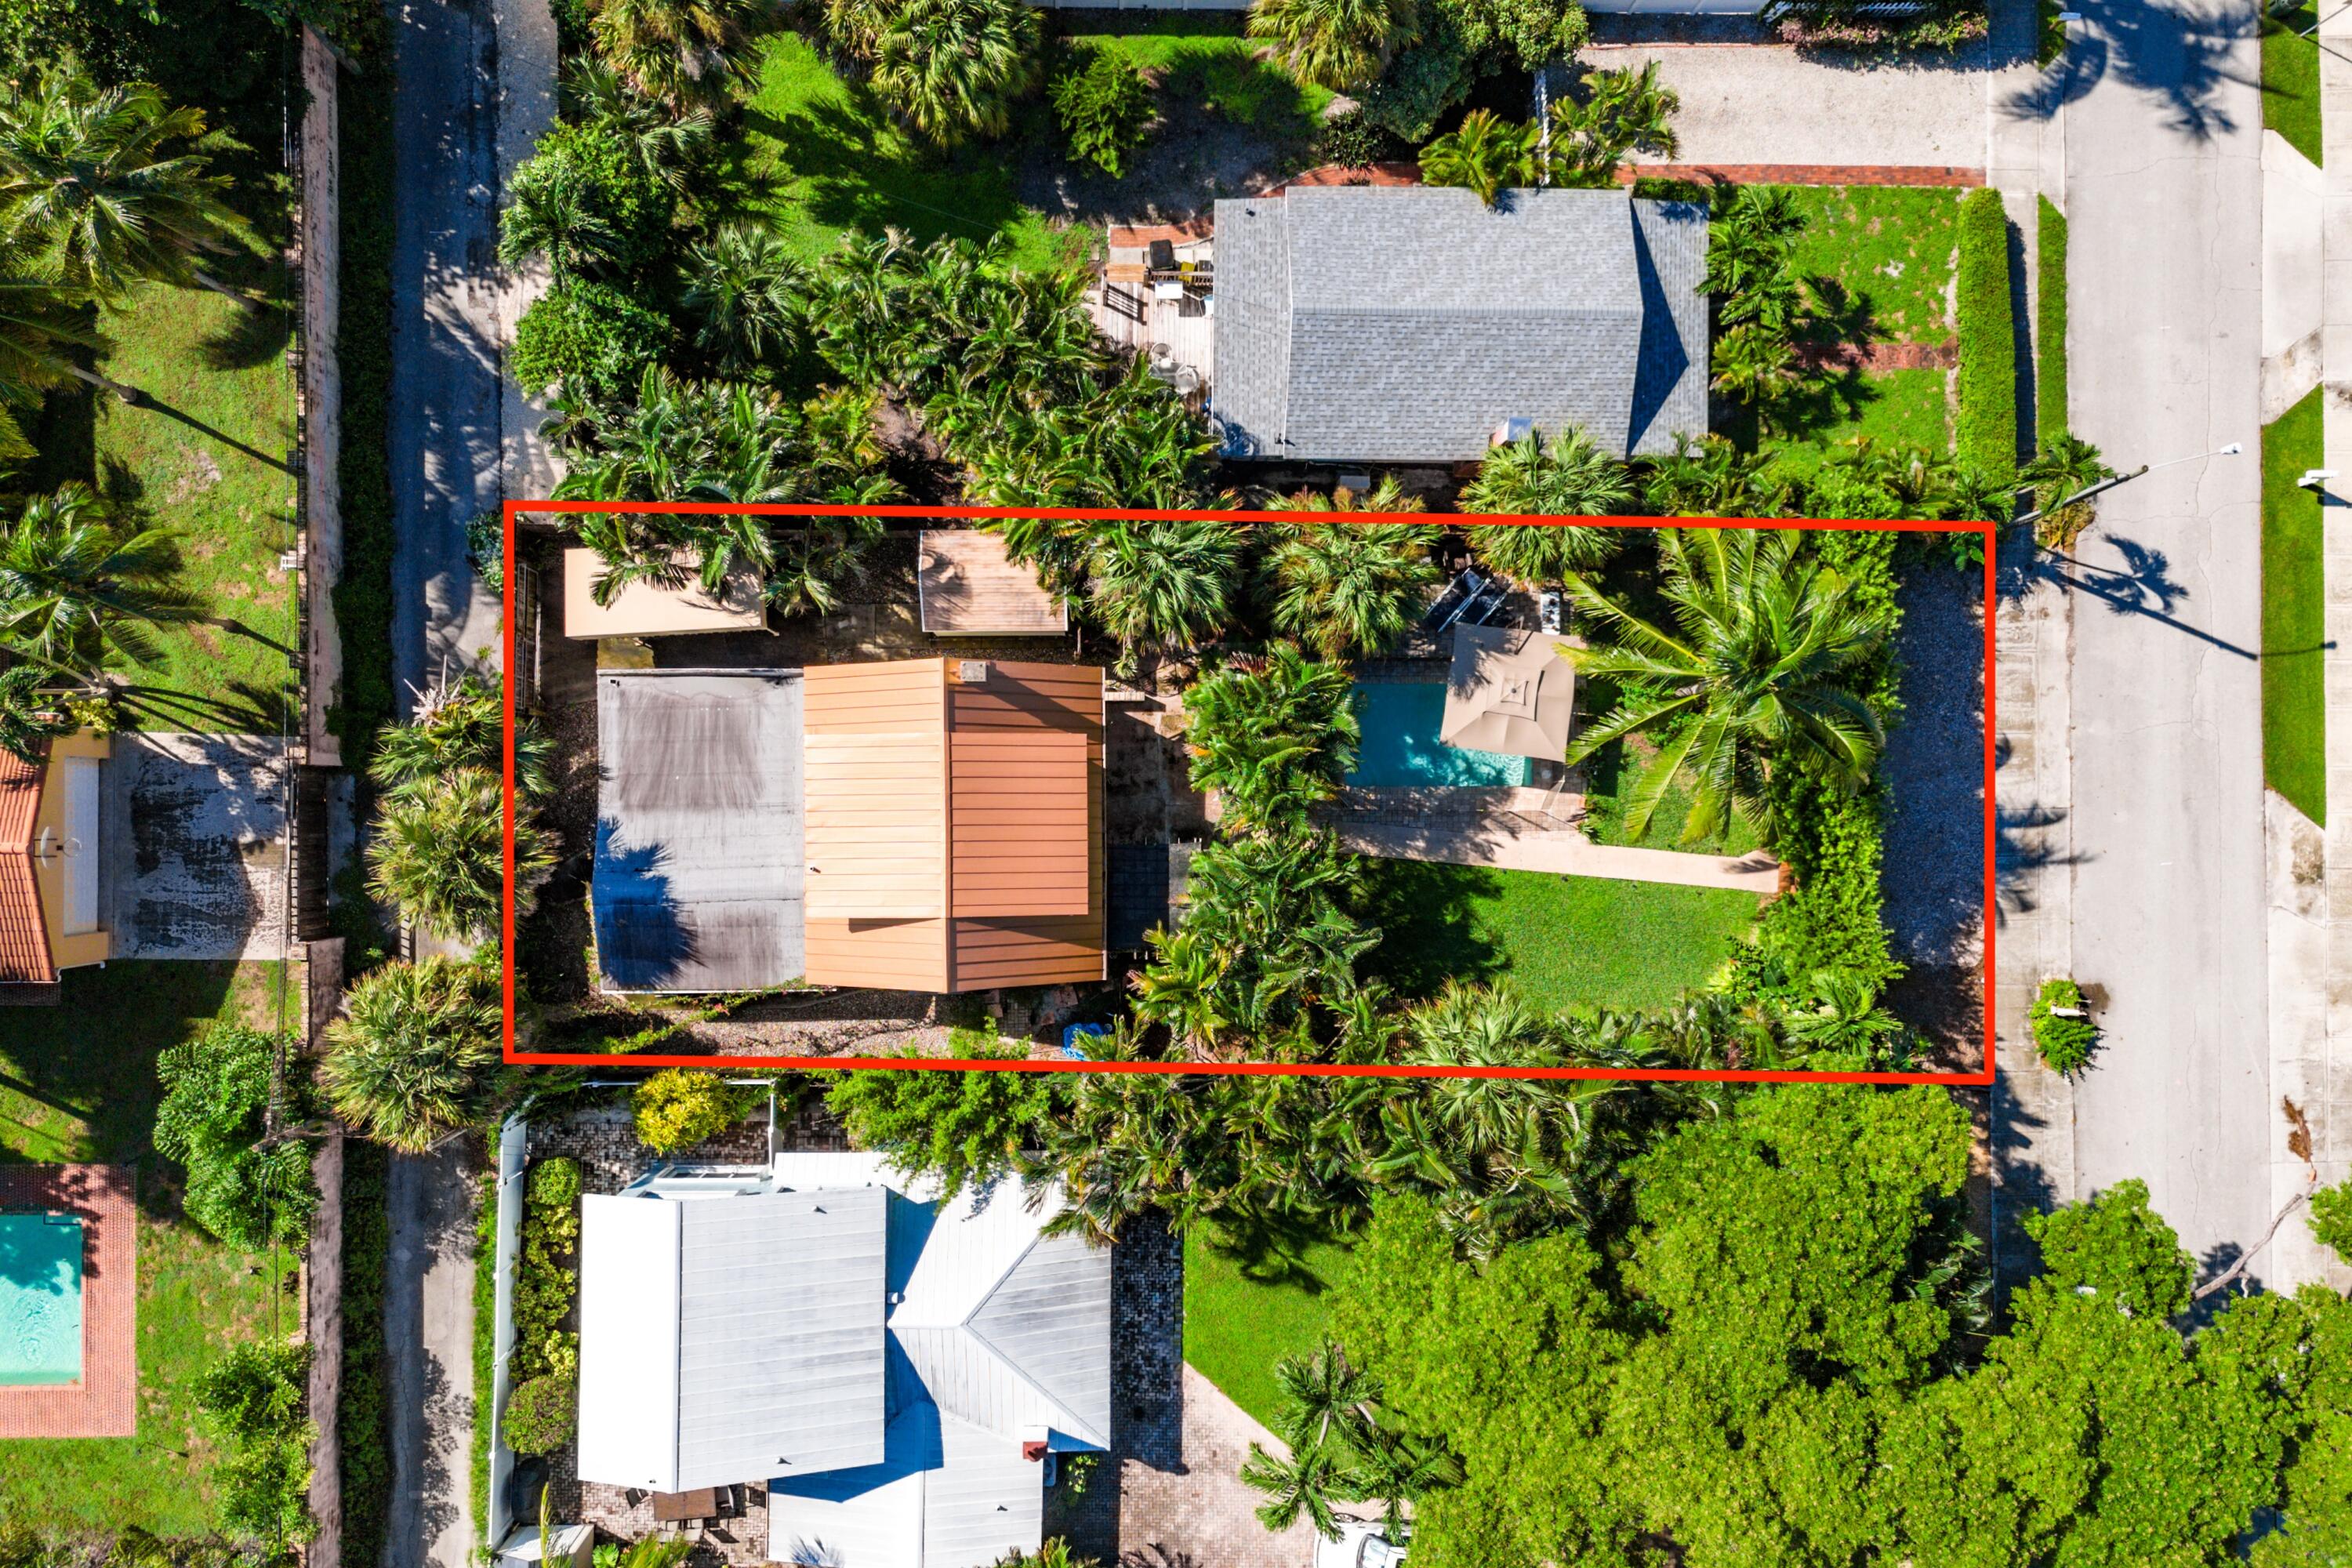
40 1298
1401 747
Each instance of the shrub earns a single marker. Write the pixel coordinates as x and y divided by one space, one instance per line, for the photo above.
1988 376
2331 1219
1353 142
2065 1043
590 337
253 1400
486 546
2050 323
625 195
1423 82
965 1127
680 1106
1105 108
1273 741
547 1275
541 1416
212 1119
1533 33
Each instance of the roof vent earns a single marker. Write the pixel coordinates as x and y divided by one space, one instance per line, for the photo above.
972 671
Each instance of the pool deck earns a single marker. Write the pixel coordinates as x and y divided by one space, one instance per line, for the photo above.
1506 843
105 1403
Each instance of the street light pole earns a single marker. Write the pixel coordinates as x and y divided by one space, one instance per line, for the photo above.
2231 450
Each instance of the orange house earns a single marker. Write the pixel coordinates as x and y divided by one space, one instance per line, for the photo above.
50 862
954 824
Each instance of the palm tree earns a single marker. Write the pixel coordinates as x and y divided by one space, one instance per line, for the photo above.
1485 154
110 186
952 69
1163 585
438 854
414 1058
41 324
1273 742
1623 111
1713 478
1568 475
1325 1398
459 724
1754 365
681 52
743 288
1177 990
29 717
2065 465
1752 678
1301 1485
1343 588
552 212
666 143
1341 44
1844 1015
76 595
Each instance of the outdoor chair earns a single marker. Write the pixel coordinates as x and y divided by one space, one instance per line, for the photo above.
1452 603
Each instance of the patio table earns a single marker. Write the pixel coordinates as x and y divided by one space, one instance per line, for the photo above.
684 1508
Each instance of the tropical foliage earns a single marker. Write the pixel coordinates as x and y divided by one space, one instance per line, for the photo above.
414 1057
1485 155
952 69
680 1106
681 52
1567 474
79 592
1337 44
1273 738
967 1129
1752 678
1105 108
255 1401
1345 588
247 1182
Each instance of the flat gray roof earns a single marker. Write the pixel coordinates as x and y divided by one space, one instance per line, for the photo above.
699 831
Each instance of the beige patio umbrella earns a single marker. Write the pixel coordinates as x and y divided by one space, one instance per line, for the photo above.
1508 692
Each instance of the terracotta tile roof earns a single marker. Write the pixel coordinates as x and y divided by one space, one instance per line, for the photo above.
25 957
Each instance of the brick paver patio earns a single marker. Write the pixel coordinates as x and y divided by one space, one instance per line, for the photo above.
104 1404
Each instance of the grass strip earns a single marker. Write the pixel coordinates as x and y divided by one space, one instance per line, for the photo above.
363 1411
2295 700
2050 324
1251 1300
362 595
1987 330
2291 81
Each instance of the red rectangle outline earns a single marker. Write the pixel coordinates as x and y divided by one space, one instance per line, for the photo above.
1978 1079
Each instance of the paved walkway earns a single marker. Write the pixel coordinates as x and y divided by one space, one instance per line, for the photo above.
1198 1514
1472 842
1768 104
429 1339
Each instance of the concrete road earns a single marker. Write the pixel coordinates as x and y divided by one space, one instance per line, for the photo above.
445 392
428 1314
2164 186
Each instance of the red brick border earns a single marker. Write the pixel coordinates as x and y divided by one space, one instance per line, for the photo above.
105 1403
1948 176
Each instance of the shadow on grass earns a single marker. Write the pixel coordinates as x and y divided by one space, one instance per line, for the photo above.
258 336
855 172
1429 932
1270 1249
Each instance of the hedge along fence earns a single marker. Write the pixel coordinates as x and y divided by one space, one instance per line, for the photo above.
1988 377
362 596
2049 323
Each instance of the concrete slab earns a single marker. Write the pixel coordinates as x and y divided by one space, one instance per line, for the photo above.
1770 104
193 829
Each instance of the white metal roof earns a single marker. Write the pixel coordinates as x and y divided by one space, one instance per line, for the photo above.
950 1495
725 1340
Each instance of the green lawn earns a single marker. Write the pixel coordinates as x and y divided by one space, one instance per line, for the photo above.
222 490
2291 81
1885 253
2295 703
817 156
78 1082
1204 57
1894 407
1248 1302
1609 783
1562 942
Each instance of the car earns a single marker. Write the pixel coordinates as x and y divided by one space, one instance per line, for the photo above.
1360 1545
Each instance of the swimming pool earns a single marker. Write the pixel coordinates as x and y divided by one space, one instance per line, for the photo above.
1400 748
40 1298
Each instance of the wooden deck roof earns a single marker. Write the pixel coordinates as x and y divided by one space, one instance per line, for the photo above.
954 824
25 956
968 588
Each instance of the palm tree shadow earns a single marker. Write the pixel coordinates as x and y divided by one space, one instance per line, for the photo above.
1427 919
1270 1249
259 335
148 400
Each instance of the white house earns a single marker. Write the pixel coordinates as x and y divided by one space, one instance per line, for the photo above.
895 1371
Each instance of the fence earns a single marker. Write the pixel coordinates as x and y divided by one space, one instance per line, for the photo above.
514 1141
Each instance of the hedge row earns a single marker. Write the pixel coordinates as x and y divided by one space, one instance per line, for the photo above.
2050 325
1988 431
486 1330
363 1409
364 355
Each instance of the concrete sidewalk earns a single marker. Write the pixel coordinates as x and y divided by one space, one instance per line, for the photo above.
1468 841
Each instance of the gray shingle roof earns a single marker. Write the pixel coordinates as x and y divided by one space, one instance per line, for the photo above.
1379 324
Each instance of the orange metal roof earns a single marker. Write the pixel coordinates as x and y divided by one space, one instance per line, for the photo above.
954 836
25 957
